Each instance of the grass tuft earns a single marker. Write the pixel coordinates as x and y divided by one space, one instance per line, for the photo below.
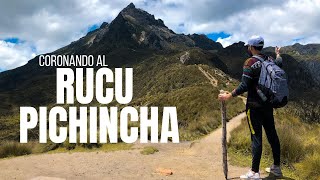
149 150
310 166
10 148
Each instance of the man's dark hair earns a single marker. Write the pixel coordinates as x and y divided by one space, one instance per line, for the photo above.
258 48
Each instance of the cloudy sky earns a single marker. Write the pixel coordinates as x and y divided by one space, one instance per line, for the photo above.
34 27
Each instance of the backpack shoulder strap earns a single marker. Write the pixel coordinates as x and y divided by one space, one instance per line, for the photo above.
258 57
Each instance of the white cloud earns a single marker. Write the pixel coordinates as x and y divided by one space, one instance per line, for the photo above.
48 25
279 22
226 41
278 25
14 55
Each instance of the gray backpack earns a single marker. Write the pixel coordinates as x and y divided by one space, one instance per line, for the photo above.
272 85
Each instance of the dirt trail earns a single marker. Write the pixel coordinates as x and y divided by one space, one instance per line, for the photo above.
188 160
212 79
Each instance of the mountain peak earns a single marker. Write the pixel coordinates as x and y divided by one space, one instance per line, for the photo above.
131 6
139 16
135 28
297 44
104 24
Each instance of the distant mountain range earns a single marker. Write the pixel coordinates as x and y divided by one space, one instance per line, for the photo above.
166 69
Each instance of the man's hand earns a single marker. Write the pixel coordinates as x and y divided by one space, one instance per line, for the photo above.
277 50
224 96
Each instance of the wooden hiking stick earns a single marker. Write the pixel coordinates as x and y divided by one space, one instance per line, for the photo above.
224 137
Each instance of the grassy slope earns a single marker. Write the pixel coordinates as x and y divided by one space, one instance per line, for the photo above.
163 80
170 83
299 141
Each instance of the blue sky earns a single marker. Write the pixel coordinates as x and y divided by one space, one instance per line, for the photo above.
215 36
93 27
13 40
37 27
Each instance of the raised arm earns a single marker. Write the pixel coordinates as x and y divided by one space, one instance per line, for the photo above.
278 59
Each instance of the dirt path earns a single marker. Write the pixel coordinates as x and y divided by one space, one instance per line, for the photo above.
212 79
188 160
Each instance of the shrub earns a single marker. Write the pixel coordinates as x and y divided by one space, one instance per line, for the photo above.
309 167
291 145
10 148
45 147
240 139
87 145
149 150
68 145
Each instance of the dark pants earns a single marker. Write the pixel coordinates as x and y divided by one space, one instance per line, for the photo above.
258 117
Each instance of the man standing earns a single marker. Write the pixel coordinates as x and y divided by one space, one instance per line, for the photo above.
259 113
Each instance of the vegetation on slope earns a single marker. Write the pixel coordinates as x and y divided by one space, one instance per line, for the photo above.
162 80
299 142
